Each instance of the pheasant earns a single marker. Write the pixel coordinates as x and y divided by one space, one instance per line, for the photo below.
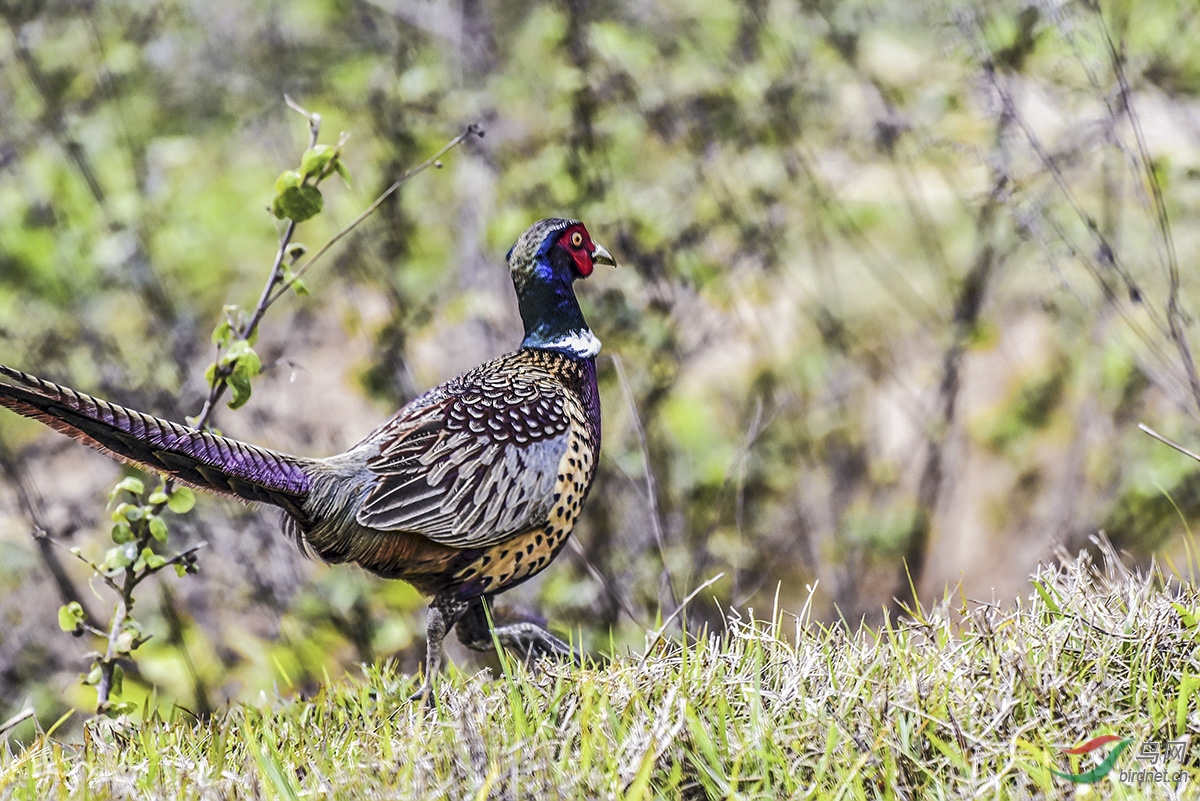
467 491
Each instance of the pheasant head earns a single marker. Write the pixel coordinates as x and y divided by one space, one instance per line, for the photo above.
545 262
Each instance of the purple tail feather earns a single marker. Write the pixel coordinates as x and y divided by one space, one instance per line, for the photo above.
206 461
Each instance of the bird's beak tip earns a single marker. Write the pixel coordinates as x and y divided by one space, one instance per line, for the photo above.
601 256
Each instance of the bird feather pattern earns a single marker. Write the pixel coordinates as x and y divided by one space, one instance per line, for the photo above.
476 465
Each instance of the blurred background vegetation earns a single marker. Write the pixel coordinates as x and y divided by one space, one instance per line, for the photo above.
895 289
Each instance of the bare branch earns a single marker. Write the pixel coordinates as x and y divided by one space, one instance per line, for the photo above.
1170 442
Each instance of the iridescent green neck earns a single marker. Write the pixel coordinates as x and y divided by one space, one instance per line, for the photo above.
552 317
546 298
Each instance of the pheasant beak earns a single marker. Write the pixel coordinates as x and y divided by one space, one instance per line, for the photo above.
600 255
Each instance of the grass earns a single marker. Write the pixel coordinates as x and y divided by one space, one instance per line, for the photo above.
965 700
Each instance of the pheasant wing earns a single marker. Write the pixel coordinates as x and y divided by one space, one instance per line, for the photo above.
472 469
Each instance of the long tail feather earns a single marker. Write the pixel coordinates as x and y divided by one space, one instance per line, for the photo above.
206 461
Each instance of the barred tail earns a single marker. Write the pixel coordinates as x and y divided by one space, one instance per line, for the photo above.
205 461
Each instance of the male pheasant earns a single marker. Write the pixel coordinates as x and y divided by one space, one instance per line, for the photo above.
470 489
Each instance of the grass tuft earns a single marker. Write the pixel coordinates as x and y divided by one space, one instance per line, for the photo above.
963 699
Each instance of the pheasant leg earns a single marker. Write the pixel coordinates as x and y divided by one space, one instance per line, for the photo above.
518 633
444 612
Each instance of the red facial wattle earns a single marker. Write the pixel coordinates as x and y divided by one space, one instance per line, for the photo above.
578 245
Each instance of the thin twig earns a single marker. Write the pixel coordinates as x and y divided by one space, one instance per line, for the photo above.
472 130
1174 312
177 559
17 719
285 239
651 489
670 618
1172 326
95 568
31 501
1166 441
595 573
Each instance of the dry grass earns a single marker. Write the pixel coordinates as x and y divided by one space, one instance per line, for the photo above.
966 700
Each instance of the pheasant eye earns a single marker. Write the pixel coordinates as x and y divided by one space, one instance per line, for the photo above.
576 239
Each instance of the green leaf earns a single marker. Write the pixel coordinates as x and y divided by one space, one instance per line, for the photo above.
157 497
342 171
248 363
289 278
298 203
120 709
239 385
118 683
640 786
236 350
288 179
222 334
158 528
118 558
181 569
70 616
314 160
122 532
182 500
131 513
128 484
148 559
94 675
246 367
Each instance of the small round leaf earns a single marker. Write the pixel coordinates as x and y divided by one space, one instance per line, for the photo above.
158 528
298 203
122 533
182 500
288 179
315 159
70 616
129 484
